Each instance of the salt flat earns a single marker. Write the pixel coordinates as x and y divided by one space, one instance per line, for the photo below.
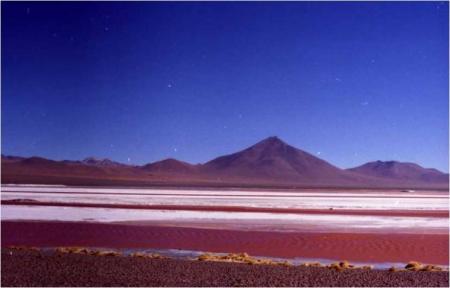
262 221
391 200
232 220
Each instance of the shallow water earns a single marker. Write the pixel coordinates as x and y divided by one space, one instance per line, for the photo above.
192 255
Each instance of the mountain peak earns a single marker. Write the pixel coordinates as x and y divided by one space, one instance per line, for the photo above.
169 165
100 162
272 141
94 160
169 160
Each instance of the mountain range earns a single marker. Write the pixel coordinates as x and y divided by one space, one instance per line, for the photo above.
269 163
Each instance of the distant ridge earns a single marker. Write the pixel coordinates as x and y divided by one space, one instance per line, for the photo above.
400 171
269 163
101 162
168 166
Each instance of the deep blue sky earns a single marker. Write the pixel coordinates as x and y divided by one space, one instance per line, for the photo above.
139 82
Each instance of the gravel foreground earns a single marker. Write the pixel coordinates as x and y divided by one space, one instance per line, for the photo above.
32 268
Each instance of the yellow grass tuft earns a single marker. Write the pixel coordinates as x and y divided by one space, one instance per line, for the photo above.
32 248
413 266
105 253
146 255
204 257
393 269
157 256
312 264
335 266
285 264
340 266
138 255
431 268
240 258
73 250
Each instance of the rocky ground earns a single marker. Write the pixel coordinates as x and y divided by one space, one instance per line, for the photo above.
34 268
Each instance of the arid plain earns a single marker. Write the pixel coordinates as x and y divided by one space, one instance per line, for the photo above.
279 219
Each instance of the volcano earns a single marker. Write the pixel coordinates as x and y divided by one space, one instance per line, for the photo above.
272 160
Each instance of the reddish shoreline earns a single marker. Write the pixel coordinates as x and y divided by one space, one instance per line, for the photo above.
400 213
361 247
